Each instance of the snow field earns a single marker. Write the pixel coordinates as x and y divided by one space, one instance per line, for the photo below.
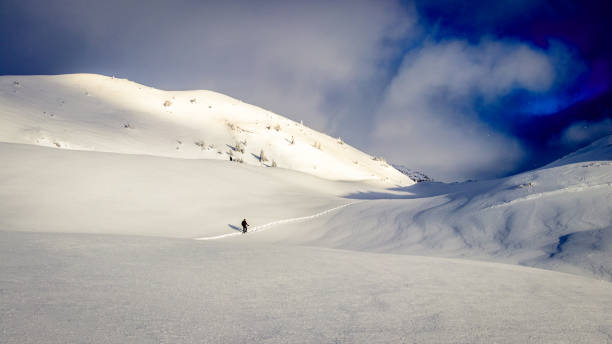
278 222
50 190
558 217
59 288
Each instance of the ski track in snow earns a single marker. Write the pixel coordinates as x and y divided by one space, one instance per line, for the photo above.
279 222
518 200
579 188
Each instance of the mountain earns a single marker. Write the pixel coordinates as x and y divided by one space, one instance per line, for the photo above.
100 206
106 114
138 179
557 217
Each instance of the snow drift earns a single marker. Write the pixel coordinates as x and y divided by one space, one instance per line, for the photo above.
557 217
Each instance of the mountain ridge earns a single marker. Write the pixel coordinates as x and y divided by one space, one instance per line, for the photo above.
100 113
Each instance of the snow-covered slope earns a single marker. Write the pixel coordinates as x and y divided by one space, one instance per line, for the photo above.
52 190
600 150
85 283
99 113
558 217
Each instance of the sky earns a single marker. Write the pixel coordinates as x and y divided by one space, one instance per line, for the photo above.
457 89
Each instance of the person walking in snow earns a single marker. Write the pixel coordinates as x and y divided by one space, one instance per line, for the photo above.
244 226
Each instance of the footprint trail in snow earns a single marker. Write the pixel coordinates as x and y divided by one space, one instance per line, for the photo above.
279 222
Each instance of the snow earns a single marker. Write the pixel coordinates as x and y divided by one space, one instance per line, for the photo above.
278 222
97 223
53 190
99 113
59 288
558 217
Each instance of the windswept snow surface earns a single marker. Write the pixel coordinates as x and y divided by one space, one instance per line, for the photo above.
96 240
558 217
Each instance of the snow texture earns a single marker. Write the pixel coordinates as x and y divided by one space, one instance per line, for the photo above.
67 288
558 217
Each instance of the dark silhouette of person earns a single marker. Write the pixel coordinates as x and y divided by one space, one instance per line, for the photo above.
244 226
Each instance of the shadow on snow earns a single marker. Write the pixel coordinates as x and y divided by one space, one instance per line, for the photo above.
234 227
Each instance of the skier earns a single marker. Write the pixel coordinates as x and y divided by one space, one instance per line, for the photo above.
244 226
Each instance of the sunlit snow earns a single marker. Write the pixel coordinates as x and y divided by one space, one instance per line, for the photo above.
104 189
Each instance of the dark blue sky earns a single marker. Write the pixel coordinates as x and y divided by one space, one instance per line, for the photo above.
460 89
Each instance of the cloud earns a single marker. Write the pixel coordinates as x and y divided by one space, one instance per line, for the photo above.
298 58
429 118
584 132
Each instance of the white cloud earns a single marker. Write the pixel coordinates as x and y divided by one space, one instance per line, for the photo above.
428 121
293 57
